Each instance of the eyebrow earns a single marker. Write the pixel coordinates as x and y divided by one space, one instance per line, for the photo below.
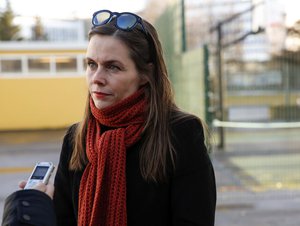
105 62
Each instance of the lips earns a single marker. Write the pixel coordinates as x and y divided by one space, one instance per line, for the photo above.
100 95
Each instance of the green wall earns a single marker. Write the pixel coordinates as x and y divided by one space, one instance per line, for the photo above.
188 82
186 69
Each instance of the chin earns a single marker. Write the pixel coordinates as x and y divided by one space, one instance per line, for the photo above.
101 106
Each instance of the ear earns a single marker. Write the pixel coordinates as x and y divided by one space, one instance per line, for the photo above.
145 77
143 80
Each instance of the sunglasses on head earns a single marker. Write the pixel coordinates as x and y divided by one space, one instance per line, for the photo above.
124 21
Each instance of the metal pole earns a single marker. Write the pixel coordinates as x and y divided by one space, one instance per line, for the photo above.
220 77
183 35
208 97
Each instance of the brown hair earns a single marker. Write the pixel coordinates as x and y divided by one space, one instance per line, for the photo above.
157 148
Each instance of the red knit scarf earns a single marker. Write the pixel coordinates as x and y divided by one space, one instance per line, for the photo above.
102 194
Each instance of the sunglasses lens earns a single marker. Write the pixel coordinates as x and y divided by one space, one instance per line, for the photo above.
126 21
101 18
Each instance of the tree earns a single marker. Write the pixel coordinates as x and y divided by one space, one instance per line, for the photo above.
8 31
294 30
38 30
293 37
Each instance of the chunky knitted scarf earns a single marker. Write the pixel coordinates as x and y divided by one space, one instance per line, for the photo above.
102 194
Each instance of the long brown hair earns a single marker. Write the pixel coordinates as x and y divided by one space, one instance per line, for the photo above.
156 150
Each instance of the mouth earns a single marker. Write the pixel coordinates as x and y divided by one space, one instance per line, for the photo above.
100 95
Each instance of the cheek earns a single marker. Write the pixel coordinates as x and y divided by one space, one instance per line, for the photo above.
131 88
120 89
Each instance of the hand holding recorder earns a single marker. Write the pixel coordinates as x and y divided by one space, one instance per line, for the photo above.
24 206
41 173
39 178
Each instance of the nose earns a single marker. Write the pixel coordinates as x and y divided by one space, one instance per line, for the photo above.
99 77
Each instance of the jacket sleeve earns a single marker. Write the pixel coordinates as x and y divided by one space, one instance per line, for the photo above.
28 207
193 196
62 199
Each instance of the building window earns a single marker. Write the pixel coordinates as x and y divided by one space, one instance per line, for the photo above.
66 64
11 65
39 64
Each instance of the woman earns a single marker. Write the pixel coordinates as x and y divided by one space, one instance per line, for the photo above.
135 158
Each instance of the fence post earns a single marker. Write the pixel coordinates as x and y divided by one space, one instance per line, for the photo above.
183 31
209 93
220 87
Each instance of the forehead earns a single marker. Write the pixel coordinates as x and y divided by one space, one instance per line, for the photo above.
107 46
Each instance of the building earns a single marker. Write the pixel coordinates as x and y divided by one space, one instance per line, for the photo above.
56 30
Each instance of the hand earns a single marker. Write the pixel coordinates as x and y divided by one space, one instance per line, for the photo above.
48 189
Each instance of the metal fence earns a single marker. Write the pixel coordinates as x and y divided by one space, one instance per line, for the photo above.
251 101
254 99
252 95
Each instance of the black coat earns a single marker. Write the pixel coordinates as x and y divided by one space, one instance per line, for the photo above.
30 208
188 197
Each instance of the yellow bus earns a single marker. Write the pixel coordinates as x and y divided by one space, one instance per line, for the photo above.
42 84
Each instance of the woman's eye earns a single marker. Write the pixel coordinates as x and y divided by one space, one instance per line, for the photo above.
113 68
92 65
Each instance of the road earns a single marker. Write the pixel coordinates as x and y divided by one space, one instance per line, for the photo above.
18 154
258 178
257 174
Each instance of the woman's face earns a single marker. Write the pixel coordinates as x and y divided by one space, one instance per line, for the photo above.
111 73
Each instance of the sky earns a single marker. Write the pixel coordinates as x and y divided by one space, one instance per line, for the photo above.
68 9
291 7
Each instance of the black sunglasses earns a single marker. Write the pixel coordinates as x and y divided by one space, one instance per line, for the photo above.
124 21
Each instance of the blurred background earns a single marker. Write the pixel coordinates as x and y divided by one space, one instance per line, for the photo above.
234 63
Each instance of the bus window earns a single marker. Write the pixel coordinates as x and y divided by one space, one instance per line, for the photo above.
41 64
66 64
11 65
84 64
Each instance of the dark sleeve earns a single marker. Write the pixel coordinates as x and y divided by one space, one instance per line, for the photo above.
193 198
28 207
63 190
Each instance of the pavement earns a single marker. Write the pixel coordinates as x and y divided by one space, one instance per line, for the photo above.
258 178
257 172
